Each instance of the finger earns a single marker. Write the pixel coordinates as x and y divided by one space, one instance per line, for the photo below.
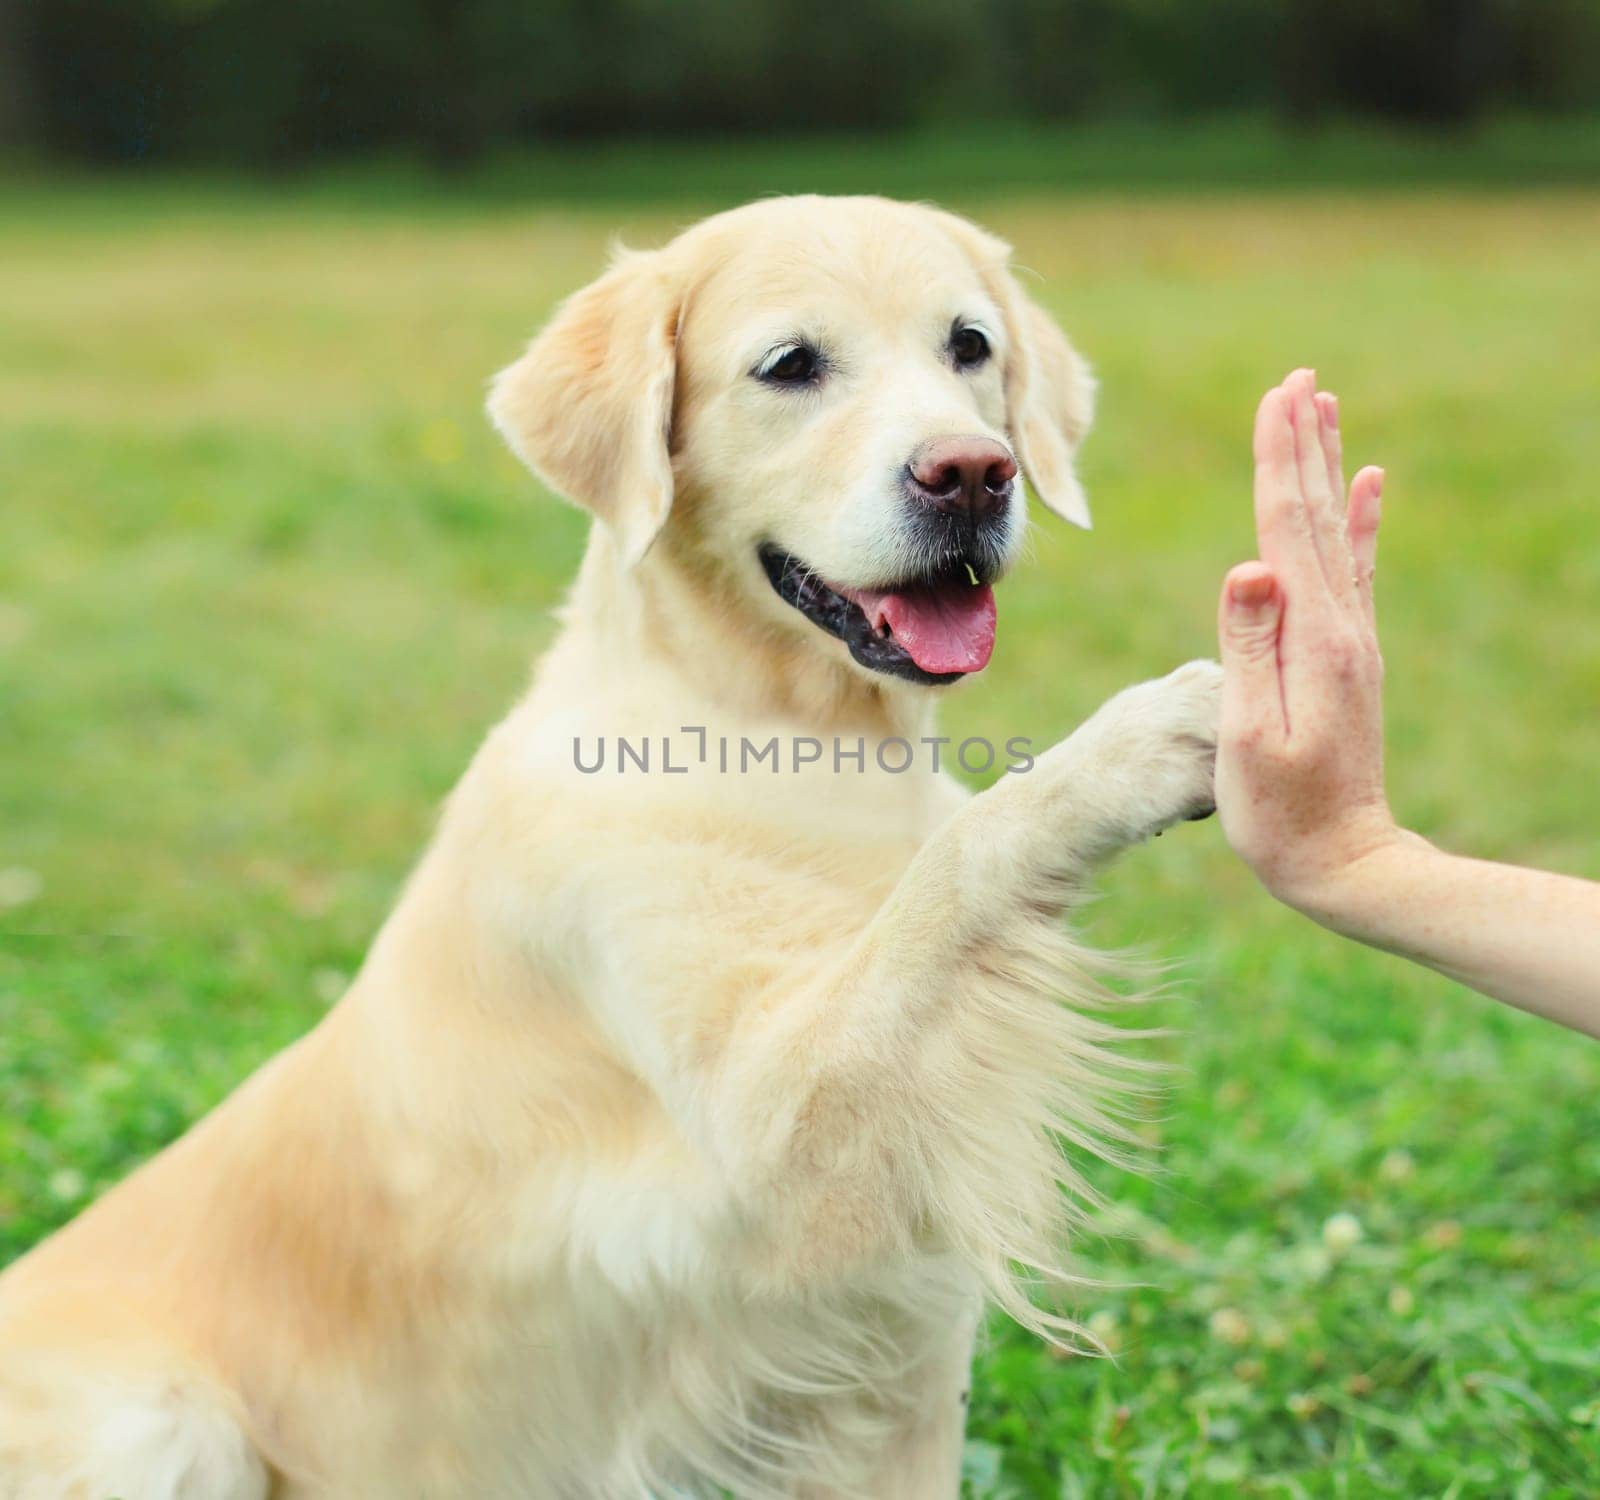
1283 530
1249 619
1323 503
1365 513
1332 444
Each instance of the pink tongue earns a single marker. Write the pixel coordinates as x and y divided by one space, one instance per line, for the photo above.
945 629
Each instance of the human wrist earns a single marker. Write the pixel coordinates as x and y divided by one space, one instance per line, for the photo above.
1370 896
1362 894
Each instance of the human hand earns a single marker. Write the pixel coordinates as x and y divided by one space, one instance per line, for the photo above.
1300 756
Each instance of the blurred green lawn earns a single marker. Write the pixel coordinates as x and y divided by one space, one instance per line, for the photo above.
266 578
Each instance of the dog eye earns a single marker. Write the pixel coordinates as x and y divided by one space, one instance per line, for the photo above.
969 347
796 365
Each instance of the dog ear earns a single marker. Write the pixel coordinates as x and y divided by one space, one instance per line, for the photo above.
589 407
1050 394
1049 387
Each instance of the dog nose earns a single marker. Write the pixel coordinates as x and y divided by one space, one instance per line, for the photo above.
970 475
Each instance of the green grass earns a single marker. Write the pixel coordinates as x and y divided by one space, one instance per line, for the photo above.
970 161
266 578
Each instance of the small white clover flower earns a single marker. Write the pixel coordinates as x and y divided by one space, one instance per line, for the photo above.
1342 1233
1396 1166
1230 1325
66 1185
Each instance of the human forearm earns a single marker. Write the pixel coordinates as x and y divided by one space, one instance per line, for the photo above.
1526 937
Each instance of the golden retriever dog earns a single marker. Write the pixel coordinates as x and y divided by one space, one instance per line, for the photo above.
711 1071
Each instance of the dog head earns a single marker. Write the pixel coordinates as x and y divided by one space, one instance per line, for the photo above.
830 404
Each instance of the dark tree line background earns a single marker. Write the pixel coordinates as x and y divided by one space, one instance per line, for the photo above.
273 82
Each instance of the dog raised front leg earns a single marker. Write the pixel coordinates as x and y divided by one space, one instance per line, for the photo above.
915 1092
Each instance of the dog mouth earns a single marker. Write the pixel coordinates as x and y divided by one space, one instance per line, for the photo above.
935 628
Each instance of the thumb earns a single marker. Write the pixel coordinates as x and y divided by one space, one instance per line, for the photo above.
1248 620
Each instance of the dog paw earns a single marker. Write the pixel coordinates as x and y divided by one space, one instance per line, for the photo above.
1157 743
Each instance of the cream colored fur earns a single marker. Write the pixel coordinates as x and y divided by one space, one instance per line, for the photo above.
677 1126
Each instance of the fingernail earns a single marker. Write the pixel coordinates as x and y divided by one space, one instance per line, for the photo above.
1381 477
1252 591
1330 410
